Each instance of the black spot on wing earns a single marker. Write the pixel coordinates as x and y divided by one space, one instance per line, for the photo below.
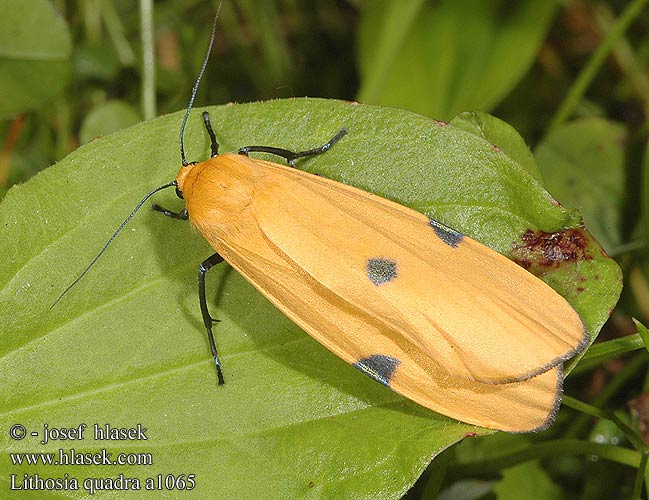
380 270
379 367
449 236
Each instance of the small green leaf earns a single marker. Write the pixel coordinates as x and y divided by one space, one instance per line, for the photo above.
583 164
127 344
35 47
445 57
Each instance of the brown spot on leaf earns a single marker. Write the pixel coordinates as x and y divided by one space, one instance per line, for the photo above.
440 123
538 251
496 148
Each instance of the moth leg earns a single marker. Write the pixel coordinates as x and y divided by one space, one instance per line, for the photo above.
182 215
214 145
291 156
205 266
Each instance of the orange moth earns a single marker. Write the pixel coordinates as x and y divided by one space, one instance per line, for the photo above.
415 305
432 314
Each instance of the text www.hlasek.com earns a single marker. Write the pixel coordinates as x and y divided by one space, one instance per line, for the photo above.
66 480
71 457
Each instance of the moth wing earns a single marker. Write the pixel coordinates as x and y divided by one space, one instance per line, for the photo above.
379 269
525 406
305 243
367 344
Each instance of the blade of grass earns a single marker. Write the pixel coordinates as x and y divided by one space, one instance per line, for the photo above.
589 72
639 478
601 352
550 449
625 56
593 411
115 29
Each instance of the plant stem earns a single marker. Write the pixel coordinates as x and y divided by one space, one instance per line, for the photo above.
148 60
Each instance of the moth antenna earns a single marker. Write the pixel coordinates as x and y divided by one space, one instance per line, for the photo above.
195 89
110 240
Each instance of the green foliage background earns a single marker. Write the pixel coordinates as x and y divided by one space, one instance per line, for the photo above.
572 80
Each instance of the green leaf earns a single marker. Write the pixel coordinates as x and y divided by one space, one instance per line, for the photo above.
568 259
106 119
527 480
583 164
446 57
127 344
35 47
